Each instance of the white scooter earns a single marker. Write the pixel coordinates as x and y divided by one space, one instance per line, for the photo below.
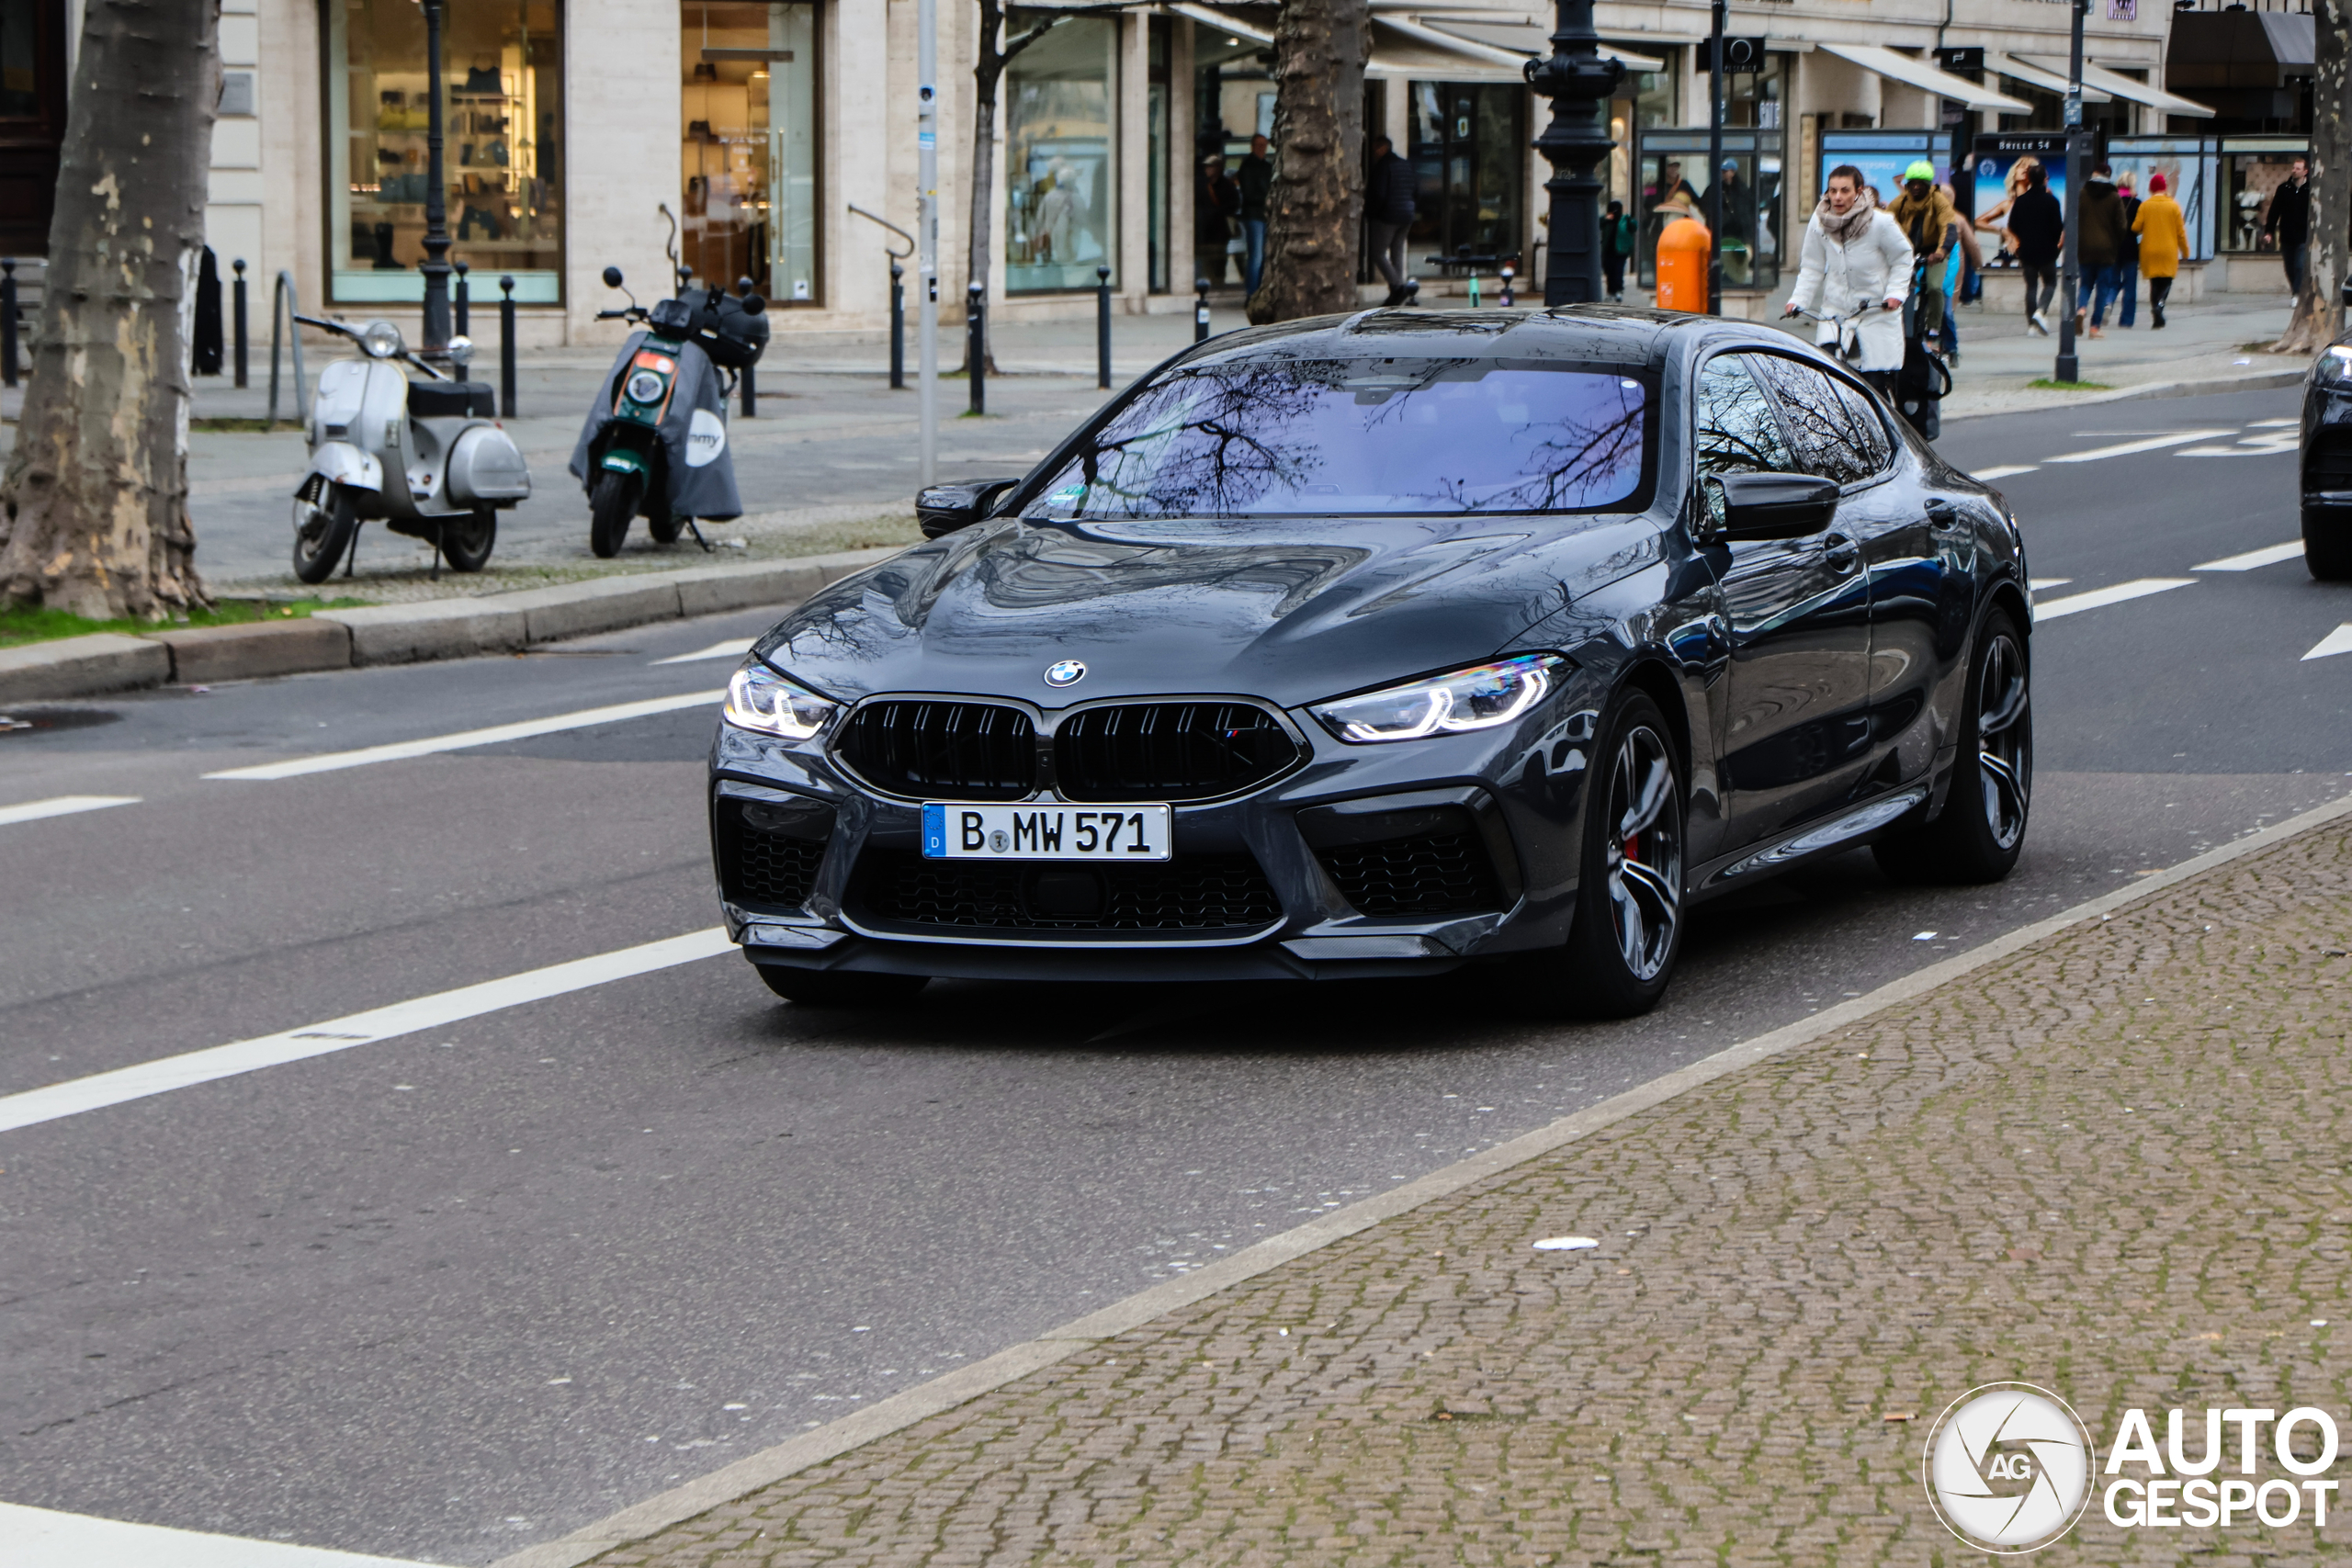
426 457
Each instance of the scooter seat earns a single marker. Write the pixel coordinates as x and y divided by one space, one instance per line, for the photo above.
441 399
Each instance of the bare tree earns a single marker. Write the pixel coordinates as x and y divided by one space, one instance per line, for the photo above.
94 509
1315 207
2319 308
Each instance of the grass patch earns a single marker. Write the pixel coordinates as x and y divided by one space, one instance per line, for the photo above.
245 426
21 624
2044 384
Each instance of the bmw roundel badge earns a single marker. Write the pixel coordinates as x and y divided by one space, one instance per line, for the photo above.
1068 672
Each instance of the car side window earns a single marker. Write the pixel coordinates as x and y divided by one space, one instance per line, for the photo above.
1738 433
1837 434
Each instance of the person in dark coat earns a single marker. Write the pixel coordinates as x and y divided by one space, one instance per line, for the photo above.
1388 210
1616 247
2038 224
2288 222
2099 247
2127 266
1216 204
1256 184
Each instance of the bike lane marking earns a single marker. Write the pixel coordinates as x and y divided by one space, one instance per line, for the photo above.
62 806
400 751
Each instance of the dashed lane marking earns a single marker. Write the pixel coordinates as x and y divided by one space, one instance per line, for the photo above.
734 648
585 718
2255 559
1988 475
2099 598
2336 642
2147 444
39 1538
2040 583
62 806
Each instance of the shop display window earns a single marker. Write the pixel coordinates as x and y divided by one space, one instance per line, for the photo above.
1060 157
748 118
1469 151
2253 171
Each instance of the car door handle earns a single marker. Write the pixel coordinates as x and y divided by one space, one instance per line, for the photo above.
1840 552
1945 518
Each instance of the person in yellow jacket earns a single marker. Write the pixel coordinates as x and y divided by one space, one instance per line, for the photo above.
2163 240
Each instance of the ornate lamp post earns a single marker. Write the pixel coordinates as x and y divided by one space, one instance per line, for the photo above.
435 265
1578 81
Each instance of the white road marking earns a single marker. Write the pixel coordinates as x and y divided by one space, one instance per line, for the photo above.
2150 444
62 806
2276 424
2004 472
2099 598
160 1076
733 648
2336 642
400 751
38 1537
2039 583
2268 442
2254 559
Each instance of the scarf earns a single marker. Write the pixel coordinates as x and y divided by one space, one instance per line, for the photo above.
1849 228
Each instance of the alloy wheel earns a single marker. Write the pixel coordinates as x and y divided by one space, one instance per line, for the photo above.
2005 740
1645 852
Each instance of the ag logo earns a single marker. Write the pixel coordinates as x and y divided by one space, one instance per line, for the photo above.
706 438
1068 672
2007 1467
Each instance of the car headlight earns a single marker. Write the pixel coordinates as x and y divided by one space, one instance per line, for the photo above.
380 340
760 699
1478 698
2333 364
644 386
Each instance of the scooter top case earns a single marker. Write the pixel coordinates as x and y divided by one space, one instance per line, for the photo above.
425 448
694 434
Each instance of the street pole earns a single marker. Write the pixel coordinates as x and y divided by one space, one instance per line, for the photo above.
1714 168
2069 368
435 267
927 226
1578 82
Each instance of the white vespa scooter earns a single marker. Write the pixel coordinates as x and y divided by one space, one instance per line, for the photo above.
426 457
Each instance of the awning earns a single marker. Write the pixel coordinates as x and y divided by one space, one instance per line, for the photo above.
2116 85
1918 72
1233 25
1523 38
1399 47
2039 75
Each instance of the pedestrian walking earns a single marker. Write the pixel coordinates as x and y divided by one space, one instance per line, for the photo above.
1963 274
1256 183
2129 265
1616 248
1924 212
2289 224
2038 225
1388 210
2163 240
1855 261
1216 204
2099 247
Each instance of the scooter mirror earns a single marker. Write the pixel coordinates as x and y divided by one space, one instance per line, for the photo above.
612 278
753 304
461 351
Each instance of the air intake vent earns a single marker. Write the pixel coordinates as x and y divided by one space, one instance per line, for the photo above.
769 851
1208 894
1438 873
933 751
1167 751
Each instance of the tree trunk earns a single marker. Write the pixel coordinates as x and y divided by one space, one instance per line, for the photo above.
988 70
94 509
1315 207
2318 309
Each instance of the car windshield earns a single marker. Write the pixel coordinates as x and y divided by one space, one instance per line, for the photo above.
1261 435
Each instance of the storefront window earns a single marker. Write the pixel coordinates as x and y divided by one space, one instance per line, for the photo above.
1156 156
1674 176
1753 98
1060 157
1644 98
2253 171
747 111
1469 146
502 118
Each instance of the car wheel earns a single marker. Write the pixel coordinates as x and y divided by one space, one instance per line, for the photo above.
840 989
2327 546
611 506
322 535
466 546
1982 829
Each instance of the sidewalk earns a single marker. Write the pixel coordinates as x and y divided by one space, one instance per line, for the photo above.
2113 1164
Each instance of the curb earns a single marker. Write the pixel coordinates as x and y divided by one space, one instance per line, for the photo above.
106 662
1009 1365
2260 380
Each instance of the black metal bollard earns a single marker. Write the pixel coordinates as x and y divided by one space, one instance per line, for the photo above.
1201 309
1102 326
751 390
506 348
9 322
976 351
237 323
460 314
898 326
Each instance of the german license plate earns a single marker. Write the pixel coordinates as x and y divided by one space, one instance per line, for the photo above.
953 831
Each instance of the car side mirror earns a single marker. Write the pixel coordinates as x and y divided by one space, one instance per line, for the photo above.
943 509
612 278
1740 507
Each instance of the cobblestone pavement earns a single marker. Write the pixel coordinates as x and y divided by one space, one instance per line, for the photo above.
2113 1165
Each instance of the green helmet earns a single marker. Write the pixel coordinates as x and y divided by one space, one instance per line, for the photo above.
1921 169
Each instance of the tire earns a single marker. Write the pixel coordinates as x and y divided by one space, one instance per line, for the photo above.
466 546
2327 545
1620 951
322 535
611 505
1982 830
665 528
840 989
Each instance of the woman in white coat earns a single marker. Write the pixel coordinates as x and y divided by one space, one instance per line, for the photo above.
1856 261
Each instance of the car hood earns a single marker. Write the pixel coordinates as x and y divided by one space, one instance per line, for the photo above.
1290 610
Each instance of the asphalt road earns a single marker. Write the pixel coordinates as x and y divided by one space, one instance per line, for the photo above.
442 1296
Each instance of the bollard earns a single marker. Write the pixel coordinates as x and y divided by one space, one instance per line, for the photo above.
286 312
976 351
460 314
506 348
1102 326
237 318
1507 301
1201 309
751 390
9 322
898 326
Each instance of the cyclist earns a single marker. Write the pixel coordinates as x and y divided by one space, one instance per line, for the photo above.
1856 264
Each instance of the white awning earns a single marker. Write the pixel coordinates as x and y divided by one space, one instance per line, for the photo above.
2116 85
1918 72
1520 36
1219 19
2034 74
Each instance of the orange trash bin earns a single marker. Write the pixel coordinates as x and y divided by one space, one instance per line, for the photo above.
1682 254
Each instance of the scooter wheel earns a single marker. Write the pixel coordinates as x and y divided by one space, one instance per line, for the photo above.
611 505
322 535
466 545
665 529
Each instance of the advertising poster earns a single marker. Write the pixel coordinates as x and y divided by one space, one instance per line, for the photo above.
2001 163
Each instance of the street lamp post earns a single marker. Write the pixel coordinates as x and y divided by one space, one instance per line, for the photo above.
1578 81
1714 165
435 265
2069 367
